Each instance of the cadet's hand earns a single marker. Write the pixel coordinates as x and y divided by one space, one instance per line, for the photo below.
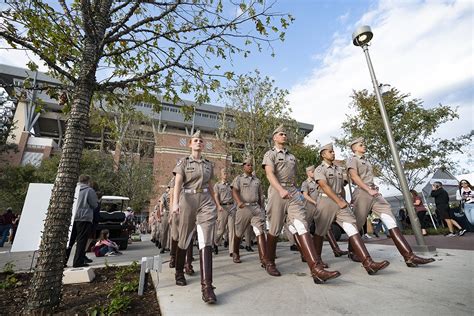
373 192
241 205
176 209
285 194
220 209
342 204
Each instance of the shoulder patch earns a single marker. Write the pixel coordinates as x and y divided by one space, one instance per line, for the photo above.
319 168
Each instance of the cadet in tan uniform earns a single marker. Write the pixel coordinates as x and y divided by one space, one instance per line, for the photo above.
248 194
309 188
225 211
173 221
366 198
164 214
286 202
197 210
332 206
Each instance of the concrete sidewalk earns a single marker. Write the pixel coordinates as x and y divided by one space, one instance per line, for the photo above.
444 287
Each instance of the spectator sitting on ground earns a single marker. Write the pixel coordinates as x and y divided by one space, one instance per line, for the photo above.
105 246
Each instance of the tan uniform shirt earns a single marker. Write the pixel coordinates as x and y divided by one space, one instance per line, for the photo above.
224 192
249 188
283 163
363 167
311 188
332 174
196 173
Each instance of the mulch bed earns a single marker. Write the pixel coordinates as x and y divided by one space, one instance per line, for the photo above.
81 299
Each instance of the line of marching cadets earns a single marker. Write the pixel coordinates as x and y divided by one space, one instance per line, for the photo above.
195 206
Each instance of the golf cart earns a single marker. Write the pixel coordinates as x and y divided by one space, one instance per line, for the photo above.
112 217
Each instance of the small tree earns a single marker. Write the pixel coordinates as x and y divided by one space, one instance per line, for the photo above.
254 108
414 129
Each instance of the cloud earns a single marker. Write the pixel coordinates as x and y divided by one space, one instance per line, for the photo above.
423 48
19 58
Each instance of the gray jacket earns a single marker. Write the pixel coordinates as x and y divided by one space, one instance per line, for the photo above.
86 203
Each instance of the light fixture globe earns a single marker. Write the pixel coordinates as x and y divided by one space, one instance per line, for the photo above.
362 35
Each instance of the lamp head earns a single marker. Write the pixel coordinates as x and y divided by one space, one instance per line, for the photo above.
362 35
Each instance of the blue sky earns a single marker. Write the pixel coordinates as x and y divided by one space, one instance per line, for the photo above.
424 48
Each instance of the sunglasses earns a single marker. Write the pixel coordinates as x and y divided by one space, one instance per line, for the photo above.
463 182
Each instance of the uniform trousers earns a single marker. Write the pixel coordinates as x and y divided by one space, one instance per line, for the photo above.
225 224
196 211
249 215
327 211
292 210
164 229
364 202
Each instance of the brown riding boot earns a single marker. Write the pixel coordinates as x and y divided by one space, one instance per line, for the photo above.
188 267
174 246
262 251
405 250
297 244
271 253
236 249
317 271
318 246
179 275
335 247
360 250
351 255
205 262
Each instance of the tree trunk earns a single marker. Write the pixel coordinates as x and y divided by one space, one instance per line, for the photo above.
46 285
45 291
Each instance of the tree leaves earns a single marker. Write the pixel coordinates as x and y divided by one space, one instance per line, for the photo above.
414 128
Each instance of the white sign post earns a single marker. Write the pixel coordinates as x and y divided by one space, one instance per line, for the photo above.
149 265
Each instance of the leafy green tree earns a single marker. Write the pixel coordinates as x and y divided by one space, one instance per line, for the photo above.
141 48
99 165
14 182
254 108
306 155
414 128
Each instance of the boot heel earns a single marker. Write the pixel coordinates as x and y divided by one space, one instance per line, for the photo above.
318 280
411 264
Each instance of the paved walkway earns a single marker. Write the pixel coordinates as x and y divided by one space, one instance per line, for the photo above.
443 288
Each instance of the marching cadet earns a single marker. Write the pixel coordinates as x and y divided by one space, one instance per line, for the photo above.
197 210
225 211
332 206
173 222
310 193
366 198
164 212
248 194
286 202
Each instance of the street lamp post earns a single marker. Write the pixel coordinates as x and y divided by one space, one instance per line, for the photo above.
361 37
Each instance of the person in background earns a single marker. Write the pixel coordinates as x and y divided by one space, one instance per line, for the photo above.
442 205
420 210
465 194
86 203
6 224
